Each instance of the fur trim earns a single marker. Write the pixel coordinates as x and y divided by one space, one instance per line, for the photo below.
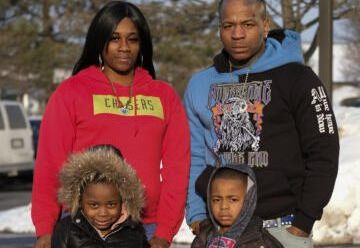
100 165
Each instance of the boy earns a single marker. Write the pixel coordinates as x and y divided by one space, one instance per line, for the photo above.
231 203
105 197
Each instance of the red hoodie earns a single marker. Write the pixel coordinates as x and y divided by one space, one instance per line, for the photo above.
82 112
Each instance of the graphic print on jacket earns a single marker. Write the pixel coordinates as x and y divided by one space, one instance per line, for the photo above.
237 114
222 242
323 113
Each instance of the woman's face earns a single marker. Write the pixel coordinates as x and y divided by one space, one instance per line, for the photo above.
122 50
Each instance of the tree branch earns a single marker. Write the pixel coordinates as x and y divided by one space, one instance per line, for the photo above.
274 10
311 23
342 14
314 43
307 7
288 14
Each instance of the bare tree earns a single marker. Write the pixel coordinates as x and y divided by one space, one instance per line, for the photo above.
39 36
301 15
351 65
185 38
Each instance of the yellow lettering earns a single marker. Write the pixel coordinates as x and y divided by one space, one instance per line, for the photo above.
145 105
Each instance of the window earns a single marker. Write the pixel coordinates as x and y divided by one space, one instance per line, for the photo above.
16 117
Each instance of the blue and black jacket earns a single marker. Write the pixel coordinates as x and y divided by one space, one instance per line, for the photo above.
280 122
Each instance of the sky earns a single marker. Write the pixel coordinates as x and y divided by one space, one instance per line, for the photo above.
341 218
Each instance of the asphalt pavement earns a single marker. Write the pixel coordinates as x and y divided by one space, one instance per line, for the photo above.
8 240
27 240
15 191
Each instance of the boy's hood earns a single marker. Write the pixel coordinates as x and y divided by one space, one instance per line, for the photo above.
249 204
281 47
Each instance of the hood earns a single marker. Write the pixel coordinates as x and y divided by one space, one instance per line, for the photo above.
281 47
100 165
249 204
94 73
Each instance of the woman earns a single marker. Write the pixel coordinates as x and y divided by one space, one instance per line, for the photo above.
113 98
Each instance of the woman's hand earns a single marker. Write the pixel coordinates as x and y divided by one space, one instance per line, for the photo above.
157 242
43 241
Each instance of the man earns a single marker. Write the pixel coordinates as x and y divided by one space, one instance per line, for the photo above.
258 104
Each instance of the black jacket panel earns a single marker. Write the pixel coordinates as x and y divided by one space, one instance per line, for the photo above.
72 233
254 236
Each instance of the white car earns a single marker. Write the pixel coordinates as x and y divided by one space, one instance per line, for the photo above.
16 148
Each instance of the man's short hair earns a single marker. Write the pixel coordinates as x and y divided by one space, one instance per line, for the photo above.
261 2
231 174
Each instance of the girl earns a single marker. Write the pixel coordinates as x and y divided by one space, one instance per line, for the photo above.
105 197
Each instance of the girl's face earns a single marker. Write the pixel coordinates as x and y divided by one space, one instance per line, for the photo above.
101 204
121 52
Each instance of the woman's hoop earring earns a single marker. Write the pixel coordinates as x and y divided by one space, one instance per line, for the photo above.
101 64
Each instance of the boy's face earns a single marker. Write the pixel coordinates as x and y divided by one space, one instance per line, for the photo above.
101 204
227 197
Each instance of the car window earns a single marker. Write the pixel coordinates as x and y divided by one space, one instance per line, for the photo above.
2 125
16 117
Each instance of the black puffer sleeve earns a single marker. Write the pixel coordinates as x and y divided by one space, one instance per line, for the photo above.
60 237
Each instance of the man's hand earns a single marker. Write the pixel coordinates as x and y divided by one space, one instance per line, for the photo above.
195 227
43 241
157 242
297 232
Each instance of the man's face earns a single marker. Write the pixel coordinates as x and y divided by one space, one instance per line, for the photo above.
243 29
226 201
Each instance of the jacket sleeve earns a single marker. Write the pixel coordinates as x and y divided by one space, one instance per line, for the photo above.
142 236
206 228
60 237
195 206
57 133
319 141
175 169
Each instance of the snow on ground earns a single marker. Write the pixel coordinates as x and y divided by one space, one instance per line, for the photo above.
340 222
341 219
16 220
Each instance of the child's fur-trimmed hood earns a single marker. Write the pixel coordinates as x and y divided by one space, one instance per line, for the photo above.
100 166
